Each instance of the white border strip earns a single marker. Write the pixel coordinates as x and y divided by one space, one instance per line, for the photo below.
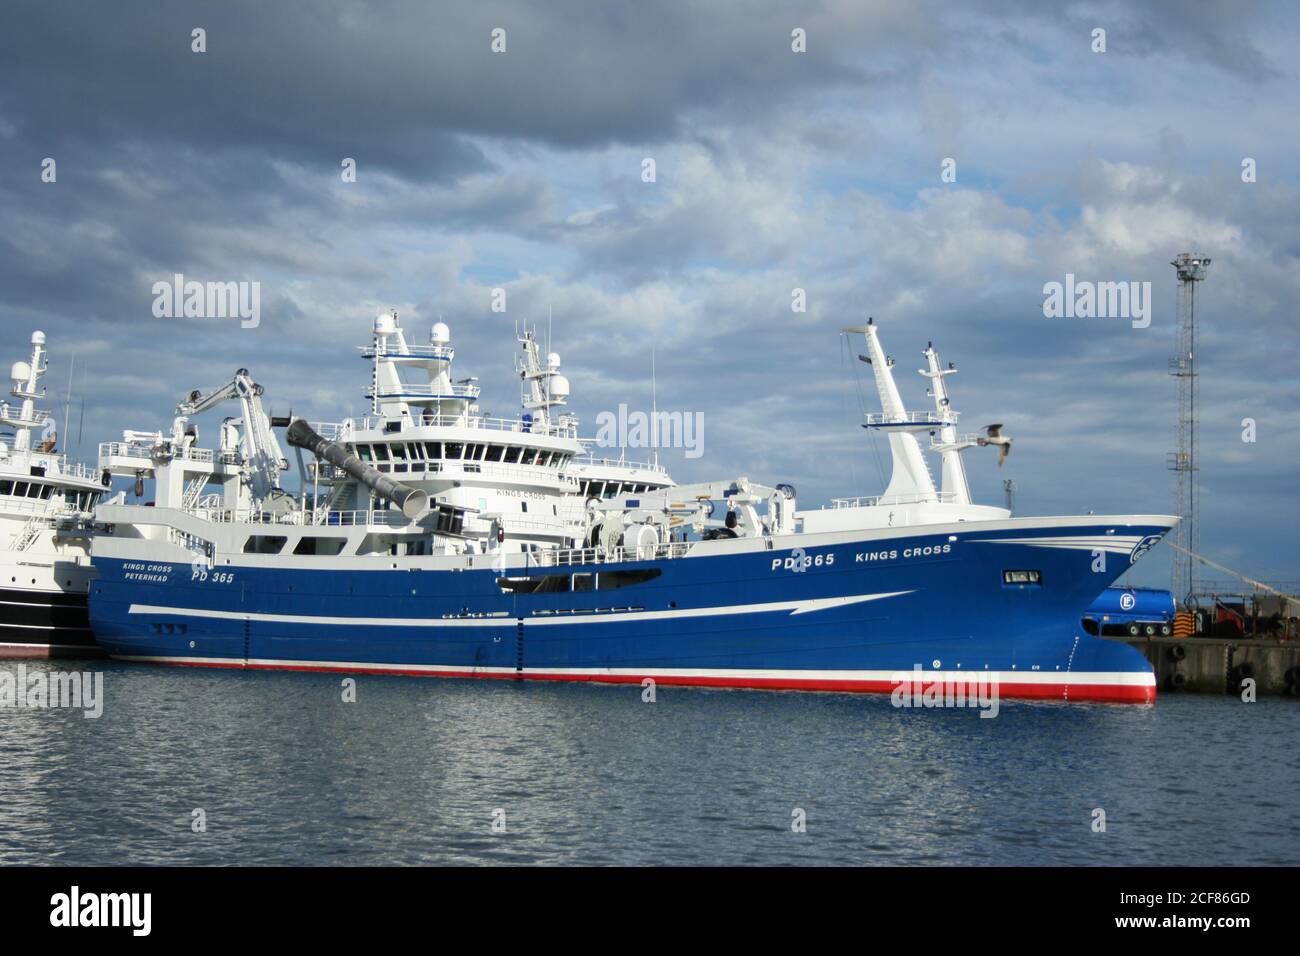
1087 678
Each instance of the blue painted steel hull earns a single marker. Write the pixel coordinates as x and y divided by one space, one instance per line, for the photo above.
856 617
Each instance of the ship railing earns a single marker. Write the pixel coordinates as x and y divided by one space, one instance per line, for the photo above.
967 438
444 352
920 498
358 518
56 465
190 542
565 556
75 470
592 461
121 449
13 415
220 515
424 391
513 523
50 508
913 418
346 430
455 468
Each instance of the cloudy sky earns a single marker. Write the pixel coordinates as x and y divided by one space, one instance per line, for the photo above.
774 170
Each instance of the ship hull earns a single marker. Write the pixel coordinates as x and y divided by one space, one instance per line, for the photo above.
36 624
838 612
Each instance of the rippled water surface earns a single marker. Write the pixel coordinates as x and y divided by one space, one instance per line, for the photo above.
413 771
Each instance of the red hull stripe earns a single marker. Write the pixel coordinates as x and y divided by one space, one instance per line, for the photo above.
1062 691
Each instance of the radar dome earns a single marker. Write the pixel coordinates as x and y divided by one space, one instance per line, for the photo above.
559 386
440 335
20 372
38 338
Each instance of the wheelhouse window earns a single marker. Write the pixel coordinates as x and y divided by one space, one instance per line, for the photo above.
264 544
1030 578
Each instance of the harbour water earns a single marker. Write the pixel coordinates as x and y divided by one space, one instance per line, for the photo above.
416 771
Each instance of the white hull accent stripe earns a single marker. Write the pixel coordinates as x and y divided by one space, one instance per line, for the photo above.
793 607
1112 543
1089 678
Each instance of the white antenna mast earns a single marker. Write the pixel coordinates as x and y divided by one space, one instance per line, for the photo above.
654 405
67 402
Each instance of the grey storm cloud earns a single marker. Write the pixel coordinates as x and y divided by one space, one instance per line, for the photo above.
402 83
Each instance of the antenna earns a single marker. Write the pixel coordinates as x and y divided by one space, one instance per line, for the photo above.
81 420
67 402
654 405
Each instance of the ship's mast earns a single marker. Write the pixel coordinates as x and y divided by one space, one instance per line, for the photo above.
949 446
544 388
910 480
26 376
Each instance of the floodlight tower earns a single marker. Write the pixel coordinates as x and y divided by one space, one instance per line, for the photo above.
1191 270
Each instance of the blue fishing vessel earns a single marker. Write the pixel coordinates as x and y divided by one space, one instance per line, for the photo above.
431 539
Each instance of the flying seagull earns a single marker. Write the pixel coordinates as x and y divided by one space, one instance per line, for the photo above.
995 437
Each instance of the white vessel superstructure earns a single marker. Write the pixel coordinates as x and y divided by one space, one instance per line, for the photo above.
509 485
46 505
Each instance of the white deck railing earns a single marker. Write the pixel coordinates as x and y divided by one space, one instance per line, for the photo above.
444 352
424 391
552 558
592 461
347 430
203 456
937 497
914 418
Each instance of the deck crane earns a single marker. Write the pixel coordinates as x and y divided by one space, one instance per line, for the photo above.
263 460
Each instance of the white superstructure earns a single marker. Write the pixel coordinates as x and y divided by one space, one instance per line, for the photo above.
46 504
505 485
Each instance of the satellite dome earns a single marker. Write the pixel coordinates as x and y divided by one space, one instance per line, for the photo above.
38 338
440 334
20 372
553 361
559 386
385 323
